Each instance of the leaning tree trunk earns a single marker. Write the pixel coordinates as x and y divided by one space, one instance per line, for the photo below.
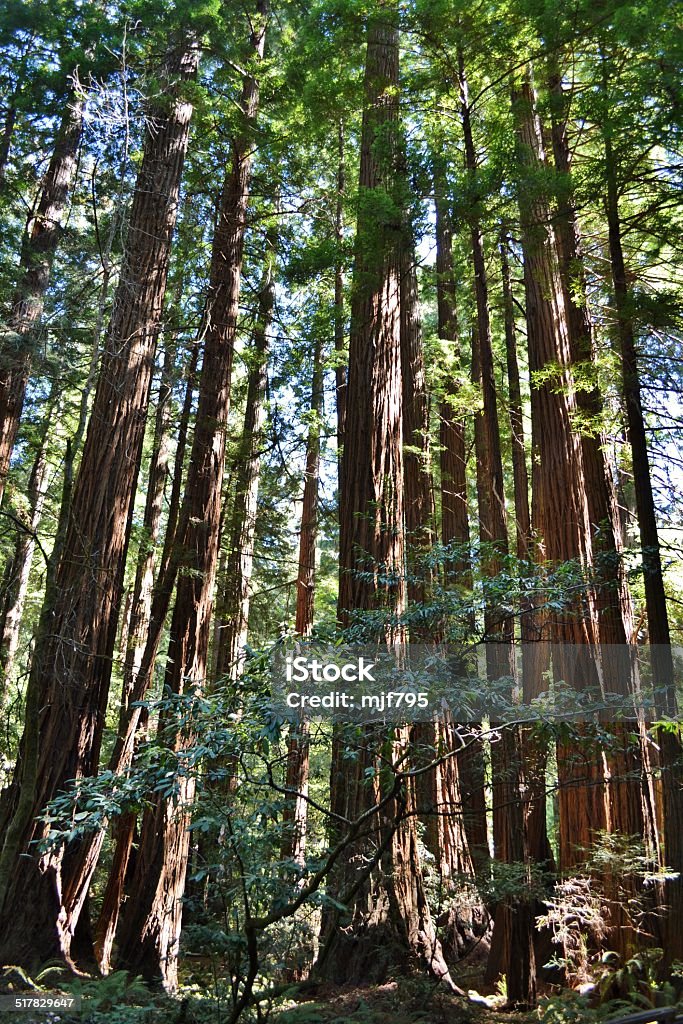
138 669
41 239
71 668
83 857
150 927
386 909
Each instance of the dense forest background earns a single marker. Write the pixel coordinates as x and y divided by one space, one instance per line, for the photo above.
340 322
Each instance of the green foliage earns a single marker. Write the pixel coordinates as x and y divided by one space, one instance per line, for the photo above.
619 69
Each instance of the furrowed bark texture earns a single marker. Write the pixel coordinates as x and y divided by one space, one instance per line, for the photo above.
137 679
559 482
630 796
460 795
72 666
437 793
388 918
150 927
512 949
659 637
84 856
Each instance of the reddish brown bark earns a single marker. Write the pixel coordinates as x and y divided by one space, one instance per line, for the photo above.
41 239
512 949
535 660
559 481
85 855
387 909
671 753
631 800
150 927
455 528
72 664
132 718
105 931
372 462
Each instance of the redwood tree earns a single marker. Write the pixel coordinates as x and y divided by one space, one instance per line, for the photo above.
559 480
150 927
386 903
71 667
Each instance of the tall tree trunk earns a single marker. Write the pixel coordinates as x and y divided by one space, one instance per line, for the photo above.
138 669
453 451
150 927
630 799
535 655
455 529
512 946
520 475
72 666
84 855
671 752
233 609
535 659
308 535
387 910
451 817
13 101
564 522
418 520
41 239
339 333
7 133
296 806
417 490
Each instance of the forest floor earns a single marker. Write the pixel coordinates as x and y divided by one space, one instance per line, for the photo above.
408 1001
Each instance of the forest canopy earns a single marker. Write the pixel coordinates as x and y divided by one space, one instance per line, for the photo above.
346 330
